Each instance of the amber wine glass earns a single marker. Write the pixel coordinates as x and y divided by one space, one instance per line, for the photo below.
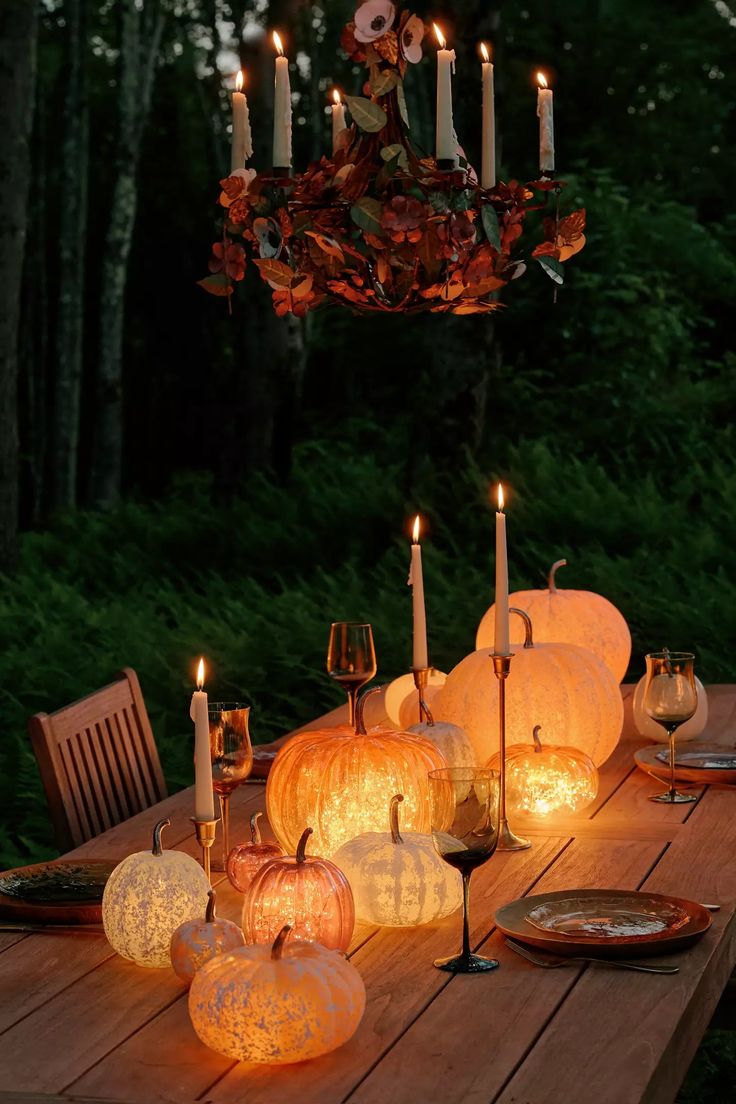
670 699
351 658
465 807
232 760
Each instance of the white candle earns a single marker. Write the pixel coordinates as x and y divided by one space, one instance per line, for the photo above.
416 581
338 119
446 141
545 111
488 159
501 645
204 801
281 110
242 146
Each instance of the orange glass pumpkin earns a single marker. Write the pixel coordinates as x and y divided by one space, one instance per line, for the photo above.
570 617
197 941
567 688
310 894
339 781
245 860
541 780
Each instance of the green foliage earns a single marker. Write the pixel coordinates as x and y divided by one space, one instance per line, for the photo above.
713 1068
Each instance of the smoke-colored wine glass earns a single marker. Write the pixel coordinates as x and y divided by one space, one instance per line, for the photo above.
351 658
670 699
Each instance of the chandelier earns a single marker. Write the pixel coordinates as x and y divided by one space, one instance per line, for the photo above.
376 227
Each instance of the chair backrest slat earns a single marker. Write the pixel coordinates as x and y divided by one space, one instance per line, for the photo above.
98 761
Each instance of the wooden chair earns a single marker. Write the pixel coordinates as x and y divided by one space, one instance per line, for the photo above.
98 761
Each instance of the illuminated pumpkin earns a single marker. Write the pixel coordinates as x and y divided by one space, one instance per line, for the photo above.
570 617
197 941
147 897
245 860
339 781
645 726
541 780
312 895
453 741
565 687
277 1004
399 881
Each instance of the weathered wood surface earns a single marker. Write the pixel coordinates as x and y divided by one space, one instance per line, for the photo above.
78 1023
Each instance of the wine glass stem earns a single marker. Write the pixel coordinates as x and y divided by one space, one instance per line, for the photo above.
466 915
225 814
671 737
352 699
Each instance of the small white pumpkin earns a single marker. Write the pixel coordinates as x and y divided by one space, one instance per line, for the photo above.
453 741
645 726
398 881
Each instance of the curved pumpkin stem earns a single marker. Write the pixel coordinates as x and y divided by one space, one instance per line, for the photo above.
278 944
209 916
535 737
551 584
360 710
393 814
255 831
528 642
157 849
301 847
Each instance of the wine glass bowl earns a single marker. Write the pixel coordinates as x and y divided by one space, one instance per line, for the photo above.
231 752
670 699
351 658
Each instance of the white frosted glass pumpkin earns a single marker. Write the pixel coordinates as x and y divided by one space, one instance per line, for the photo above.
398 880
147 896
691 729
401 698
453 741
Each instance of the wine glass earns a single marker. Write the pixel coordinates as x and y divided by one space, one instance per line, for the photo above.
232 760
465 811
351 658
670 698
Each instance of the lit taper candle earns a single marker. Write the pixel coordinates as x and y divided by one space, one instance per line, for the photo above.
420 658
545 111
281 109
204 801
338 118
488 158
501 645
446 143
242 146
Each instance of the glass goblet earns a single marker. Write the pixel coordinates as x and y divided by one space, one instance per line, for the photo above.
351 658
670 699
232 760
465 809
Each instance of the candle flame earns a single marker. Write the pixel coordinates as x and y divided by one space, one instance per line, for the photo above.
440 37
485 52
336 96
200 674
542 80
500 497
239 81
278 43
415 530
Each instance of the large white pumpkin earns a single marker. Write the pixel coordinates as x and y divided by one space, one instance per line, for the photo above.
147 896
645 726
569 617
564 688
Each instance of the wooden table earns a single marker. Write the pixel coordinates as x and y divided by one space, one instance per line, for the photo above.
79 1023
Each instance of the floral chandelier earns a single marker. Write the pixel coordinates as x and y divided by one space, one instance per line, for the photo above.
375 226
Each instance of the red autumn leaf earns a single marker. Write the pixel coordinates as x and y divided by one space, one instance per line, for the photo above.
276 273
327 245
388 47
545 249
217 284
572 226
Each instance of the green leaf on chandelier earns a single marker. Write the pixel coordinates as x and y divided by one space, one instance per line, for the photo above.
553 268
401 100
383 80
387 171
463 201
439 201
396 149
490 225
366 214
367 115
217 284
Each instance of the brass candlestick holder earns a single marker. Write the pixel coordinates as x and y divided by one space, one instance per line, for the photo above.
421 680
206 831
507 840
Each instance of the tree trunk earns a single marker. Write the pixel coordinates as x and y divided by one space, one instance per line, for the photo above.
72 248
140 39
17 76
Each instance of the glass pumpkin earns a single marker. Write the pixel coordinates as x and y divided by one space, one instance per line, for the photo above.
570 617
567 688
399 881
245 860
541 780
197 941
277 1004
691 729
338 780
311 894
147 897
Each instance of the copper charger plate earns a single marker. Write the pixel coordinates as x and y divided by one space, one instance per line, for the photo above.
60 892
512 920
699 763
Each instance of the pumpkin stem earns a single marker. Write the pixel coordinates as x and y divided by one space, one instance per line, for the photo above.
209 916
360 710
255 831
301 847
158 829
278 944
393 814
551 584
528 642
535 738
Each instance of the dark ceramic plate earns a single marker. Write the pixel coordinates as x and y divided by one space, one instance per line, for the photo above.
60 892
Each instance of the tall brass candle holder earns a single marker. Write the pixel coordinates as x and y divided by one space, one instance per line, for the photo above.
421 679
206 830
507 840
